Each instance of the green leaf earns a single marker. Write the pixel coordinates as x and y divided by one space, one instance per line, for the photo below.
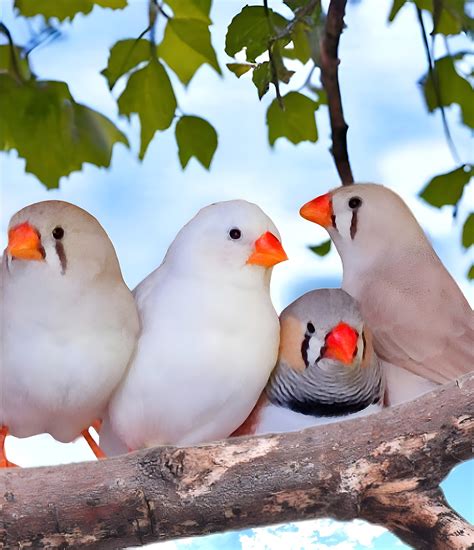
321 249
11 62
470 273
396 7
195 138
282 72
196 35
64 9
296 4
321 95
184 54
301 45
261 78
449 16
296 121
447 188
191 9
468 231
452 87
251 29
240 68
124 56
150 95
53 133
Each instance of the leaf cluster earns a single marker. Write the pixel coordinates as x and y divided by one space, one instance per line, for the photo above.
269 42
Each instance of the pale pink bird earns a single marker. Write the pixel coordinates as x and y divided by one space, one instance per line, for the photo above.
69 324
422 324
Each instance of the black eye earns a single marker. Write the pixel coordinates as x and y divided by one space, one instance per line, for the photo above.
355 202
310 328
235 233
58 233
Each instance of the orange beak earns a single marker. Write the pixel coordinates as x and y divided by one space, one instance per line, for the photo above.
24 243
319 210
268 251
341 343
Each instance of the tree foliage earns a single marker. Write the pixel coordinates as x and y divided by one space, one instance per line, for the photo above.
259 40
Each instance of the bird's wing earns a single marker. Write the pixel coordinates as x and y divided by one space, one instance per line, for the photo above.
424 325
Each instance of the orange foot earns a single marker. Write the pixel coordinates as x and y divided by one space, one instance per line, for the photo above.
99 453
4 462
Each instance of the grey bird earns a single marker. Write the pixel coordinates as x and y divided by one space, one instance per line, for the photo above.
327 370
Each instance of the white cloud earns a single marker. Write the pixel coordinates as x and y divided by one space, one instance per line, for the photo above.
318 535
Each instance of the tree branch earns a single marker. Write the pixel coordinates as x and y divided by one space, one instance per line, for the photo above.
384 468
330 82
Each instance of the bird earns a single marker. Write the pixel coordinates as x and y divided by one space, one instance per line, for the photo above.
422 324
69 324
327 370
209 336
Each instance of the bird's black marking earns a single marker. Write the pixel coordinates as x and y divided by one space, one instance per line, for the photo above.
62 256
314 407
354 224
364 343
41 249
333 221
304 349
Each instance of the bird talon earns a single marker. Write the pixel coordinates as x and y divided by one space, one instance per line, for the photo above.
4 462
99 453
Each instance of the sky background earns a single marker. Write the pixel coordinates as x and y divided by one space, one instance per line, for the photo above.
392 140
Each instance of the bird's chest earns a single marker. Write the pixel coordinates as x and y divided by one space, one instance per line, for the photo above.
49 338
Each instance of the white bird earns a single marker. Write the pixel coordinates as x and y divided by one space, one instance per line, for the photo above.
327 370
69 323
209 335
422 324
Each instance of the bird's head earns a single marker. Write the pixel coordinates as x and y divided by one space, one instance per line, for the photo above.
61 238
323 329
365 221
326 364
232 240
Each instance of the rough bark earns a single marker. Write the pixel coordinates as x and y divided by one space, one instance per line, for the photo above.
385 468
330 81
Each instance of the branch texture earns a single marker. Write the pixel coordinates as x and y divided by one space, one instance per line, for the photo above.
330 82
385 468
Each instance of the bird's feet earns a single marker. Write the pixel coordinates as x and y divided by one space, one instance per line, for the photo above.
99 453
4 462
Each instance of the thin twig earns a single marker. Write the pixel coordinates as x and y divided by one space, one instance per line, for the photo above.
47 34
300 14
330 82
273 66
307 81
436 86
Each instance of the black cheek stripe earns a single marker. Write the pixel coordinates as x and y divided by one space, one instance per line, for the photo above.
304 348
354 224
62 256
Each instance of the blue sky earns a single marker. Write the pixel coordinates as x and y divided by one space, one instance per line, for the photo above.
392 140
